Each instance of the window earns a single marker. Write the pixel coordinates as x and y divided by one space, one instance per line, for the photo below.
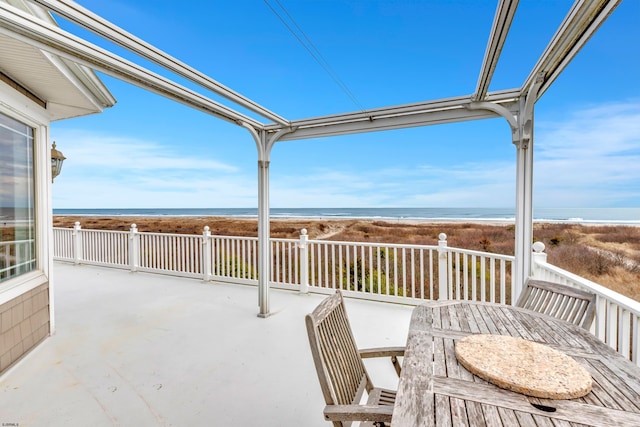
17 199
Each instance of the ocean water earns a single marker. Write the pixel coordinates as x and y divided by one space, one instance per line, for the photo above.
630 216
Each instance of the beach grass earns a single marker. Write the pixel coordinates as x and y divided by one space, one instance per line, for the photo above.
607 254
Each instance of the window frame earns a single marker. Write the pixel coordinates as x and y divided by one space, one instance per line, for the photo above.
20 108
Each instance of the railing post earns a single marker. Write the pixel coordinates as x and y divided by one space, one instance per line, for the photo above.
206 254
134 247
539 257
443 273
77 243
304 260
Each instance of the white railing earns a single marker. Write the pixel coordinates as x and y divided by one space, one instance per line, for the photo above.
232 259
400 273
617 319
408 273
380 271
16 257
175 254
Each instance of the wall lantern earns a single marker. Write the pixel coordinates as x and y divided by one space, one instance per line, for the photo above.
56 161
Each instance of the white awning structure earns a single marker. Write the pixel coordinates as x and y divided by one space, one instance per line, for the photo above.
65 88
515 105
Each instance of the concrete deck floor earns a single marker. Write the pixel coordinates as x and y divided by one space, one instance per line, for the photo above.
137 349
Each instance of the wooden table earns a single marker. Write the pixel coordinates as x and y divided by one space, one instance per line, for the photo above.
435 390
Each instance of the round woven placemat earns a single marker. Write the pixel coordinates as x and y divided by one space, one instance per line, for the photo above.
523 366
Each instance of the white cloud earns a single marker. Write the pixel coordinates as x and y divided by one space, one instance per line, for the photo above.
113 171
103 192
474 184
87 150
590 159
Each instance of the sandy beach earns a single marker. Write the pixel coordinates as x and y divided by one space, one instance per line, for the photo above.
606 254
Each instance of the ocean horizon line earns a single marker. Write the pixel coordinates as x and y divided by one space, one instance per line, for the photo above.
621 216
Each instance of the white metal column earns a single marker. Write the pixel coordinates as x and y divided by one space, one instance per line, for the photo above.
524 186
524 211
264 143
264 232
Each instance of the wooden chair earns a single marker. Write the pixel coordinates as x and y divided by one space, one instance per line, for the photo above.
560 301
341 371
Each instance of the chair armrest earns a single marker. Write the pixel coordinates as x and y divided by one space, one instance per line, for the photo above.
381 352
358 413
393 352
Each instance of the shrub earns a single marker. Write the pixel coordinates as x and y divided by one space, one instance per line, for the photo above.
580 258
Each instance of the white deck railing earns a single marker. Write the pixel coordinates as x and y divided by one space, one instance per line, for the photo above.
380 271
389 272
617 319
16 257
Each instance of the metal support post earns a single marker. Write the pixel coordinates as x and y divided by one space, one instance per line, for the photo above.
264 143
264 247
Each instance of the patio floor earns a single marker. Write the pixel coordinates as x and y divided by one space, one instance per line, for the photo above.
137 349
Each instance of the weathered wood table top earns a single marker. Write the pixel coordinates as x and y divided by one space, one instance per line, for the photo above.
435 390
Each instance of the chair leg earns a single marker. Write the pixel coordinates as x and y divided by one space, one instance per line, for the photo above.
396 365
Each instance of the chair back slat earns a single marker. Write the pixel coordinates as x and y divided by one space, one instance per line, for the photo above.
342 374
560 301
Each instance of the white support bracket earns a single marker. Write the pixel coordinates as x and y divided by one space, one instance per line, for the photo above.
521 124
501 111
526 114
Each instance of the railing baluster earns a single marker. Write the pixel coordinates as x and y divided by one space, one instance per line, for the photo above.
341 272
326 265
404 271
312 252
492 275
333 265
413 274
503 282
395 271
624 330
379 269
465 277
635 337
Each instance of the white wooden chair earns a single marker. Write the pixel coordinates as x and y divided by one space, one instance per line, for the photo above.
560 301
341 371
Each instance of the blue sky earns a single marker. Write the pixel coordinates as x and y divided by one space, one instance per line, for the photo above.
149 152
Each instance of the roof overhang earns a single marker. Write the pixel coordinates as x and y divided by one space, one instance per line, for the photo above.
65 88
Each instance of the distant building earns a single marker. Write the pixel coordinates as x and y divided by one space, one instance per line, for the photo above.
36 88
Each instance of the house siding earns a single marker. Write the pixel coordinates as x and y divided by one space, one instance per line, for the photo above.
24 322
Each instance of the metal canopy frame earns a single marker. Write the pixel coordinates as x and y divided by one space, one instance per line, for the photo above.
514 105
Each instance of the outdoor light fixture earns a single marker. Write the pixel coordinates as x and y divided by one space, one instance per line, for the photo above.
56 161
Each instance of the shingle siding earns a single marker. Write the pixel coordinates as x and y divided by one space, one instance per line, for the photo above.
24 322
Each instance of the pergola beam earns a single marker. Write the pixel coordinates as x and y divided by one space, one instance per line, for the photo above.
448 110
582 21
31 30
502 20
109 31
